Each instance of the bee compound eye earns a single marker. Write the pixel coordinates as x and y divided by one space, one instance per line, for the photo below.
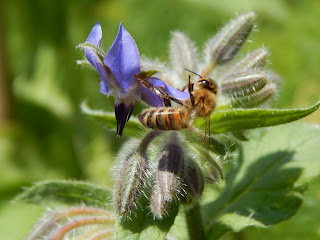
204 82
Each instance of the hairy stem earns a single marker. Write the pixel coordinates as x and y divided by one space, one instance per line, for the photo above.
194 222
147 140
207 70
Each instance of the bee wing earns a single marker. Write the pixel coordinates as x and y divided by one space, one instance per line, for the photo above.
163 90
159 90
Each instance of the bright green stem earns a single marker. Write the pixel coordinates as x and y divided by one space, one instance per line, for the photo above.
194 222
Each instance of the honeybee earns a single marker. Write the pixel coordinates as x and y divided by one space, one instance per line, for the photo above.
201 104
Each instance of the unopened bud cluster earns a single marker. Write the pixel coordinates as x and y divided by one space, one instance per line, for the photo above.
244 84
166 175
242 81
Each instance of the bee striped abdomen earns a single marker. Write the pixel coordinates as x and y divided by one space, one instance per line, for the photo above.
163 118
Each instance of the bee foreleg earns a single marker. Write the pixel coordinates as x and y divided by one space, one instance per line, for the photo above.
184 88
200 99
189 85
190 89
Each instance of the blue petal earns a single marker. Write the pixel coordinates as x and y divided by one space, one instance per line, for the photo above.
169 89
94 37
151 98
104 89
92 56
123 59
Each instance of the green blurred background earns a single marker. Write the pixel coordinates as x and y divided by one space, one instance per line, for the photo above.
42 132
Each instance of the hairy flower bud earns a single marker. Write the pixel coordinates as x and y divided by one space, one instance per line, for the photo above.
159 205
241 84
193 180
253 60
132 173
168 184
254 99
224 46
212 174
170 167
212 168
183 56
130 179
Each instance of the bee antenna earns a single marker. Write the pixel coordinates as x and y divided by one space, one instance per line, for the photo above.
193 72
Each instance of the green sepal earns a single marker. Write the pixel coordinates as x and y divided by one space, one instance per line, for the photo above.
93 47
145 74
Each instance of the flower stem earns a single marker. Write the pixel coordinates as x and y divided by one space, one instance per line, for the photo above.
194 222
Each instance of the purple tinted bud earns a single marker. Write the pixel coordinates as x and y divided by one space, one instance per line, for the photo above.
253 60
170 167
224 46
255 99
183 56
243 83
167 184
193 180
132 173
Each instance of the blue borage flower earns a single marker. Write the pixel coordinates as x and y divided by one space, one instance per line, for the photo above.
117 69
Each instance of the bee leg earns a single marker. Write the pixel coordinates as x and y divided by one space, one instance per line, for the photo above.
190 89
166 102
169 97
184 88
201 99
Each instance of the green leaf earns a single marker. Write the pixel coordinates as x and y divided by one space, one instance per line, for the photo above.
145 74
108 119
267 180
240 119
142 225
66 192
234 222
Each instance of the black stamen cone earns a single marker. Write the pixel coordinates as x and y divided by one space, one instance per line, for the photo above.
131 108
123 113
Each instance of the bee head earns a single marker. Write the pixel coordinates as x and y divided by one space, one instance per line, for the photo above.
206 83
